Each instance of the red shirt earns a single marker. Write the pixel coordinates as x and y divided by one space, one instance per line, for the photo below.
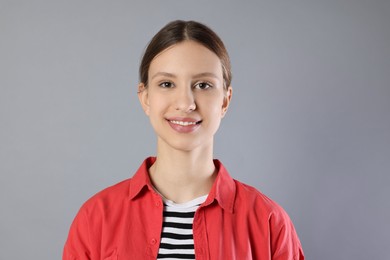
235 222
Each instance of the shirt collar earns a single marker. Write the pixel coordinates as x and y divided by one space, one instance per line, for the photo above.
223 189
141 178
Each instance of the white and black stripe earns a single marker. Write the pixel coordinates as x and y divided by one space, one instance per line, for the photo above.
177 240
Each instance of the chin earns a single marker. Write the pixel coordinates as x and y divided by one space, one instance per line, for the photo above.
186 145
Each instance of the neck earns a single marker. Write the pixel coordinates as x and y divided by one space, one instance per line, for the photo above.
181 176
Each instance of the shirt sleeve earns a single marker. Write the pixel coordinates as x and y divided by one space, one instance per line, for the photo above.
77 246
285 243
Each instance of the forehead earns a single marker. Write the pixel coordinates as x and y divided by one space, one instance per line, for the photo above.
186 58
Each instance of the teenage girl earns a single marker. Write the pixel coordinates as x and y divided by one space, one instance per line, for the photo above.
182 203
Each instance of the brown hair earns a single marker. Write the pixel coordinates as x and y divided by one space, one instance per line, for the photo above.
179 31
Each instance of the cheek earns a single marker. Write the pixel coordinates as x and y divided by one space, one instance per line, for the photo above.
211 108
158 106
154 102
214 104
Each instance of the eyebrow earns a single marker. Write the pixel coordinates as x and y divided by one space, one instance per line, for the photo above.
166 74
199 75
206 74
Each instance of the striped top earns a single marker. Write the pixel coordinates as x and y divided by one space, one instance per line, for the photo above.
177 240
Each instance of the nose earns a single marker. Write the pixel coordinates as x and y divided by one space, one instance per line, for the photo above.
185 100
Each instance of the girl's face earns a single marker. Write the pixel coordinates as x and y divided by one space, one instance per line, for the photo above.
185 98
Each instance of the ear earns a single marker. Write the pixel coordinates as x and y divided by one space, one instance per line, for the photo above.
143 97
226 100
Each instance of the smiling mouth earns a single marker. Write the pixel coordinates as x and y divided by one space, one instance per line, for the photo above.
185 123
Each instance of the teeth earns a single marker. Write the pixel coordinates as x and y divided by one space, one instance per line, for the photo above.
182 123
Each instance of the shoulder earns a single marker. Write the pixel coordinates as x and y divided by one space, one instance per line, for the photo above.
256 202
109 197
124 190
244 198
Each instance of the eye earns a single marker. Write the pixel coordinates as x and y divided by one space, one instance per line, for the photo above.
166 84
203 85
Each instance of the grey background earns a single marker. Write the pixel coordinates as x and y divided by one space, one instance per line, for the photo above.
309 123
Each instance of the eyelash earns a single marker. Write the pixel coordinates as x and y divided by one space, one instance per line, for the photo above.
168 84
209 85
163 84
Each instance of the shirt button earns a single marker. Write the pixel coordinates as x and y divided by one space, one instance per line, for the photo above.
158 204
153 241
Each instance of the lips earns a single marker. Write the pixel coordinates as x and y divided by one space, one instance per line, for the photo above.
184 125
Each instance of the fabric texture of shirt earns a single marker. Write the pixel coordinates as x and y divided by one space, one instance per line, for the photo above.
235 222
